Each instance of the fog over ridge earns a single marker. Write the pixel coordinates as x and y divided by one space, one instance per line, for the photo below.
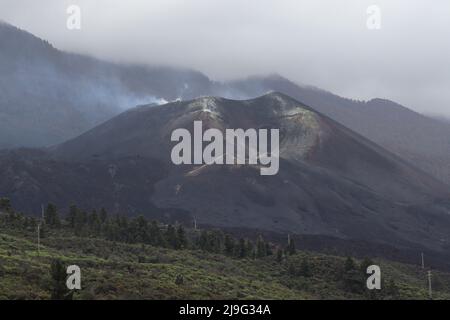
323 43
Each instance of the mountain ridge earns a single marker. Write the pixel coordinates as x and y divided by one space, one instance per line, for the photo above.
343 185
53 107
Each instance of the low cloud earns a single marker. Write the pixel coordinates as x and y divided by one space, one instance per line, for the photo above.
325 43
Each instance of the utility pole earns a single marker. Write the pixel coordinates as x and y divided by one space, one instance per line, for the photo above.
195 224
423 263
39 238
430 292
39 230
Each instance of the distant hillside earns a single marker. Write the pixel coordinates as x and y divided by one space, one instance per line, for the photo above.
48 96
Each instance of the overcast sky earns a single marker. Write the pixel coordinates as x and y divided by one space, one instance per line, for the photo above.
325 43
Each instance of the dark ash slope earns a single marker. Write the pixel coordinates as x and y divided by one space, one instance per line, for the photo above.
332 181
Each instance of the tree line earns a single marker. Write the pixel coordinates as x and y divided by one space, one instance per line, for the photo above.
119 228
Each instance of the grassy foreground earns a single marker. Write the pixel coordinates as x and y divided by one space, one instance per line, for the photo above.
115 270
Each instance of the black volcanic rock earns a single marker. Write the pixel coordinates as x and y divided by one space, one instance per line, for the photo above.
332 181
421 140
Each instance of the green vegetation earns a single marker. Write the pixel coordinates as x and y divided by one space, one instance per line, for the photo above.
122 258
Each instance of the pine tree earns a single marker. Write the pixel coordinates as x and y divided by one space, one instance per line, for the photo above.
250 248
171 237
51 216
203 242
181 238
260 247
155 236
72 216
33 223
305 270
111 230
42 231
5 205
291 269
352 279
59 290
216 241
279 255
94 221
80 221
242 249
268 249
291 247
349 264
229 245
364 264
142 230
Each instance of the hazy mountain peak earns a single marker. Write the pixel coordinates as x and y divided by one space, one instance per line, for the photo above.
331 180
67 94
